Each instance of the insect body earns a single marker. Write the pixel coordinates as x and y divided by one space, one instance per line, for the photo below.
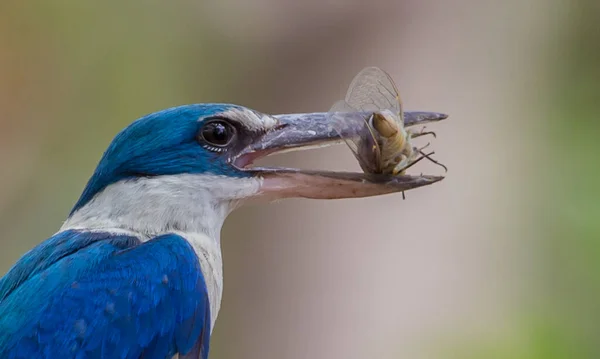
394 142
383 145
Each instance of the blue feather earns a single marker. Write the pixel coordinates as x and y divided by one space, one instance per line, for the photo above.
97 295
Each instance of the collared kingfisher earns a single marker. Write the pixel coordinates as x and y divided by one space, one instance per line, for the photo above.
135 271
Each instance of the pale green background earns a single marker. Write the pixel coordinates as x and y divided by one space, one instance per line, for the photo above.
500 260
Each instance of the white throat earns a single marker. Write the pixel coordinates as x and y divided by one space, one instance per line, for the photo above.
193 206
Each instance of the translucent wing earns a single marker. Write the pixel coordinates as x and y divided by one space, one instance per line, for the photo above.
362 142
374 90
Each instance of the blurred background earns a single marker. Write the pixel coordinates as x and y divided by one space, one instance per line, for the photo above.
500 260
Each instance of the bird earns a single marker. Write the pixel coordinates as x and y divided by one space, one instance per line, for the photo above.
136 270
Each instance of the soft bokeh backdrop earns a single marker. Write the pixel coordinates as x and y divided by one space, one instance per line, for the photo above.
500 260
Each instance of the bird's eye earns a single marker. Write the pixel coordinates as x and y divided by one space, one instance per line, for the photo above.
217 133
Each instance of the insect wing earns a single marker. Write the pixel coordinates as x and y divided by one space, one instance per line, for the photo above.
362 142
374 90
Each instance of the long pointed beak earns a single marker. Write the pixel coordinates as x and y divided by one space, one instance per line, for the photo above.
309 130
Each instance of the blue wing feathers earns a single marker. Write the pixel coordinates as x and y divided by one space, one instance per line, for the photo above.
52 250
105 296
200 348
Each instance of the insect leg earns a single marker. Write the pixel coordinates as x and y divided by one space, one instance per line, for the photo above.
414 162
428 156
422 133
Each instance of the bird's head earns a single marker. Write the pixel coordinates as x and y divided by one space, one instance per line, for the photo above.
181 168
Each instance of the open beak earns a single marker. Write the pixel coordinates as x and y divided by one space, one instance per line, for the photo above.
310 130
